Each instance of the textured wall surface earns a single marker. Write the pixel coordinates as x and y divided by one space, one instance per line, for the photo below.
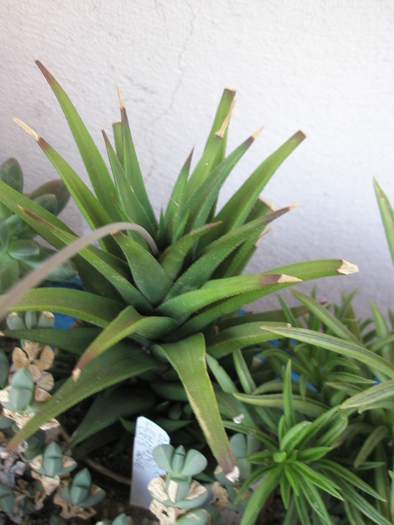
325 67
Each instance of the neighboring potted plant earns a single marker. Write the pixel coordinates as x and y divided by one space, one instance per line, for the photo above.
158 332
19 252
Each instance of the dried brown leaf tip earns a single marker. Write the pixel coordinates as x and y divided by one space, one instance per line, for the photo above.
278 278
27 128
50 78
122 106
222 130
346 268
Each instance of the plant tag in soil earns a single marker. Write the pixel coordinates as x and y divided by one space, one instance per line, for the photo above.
148 435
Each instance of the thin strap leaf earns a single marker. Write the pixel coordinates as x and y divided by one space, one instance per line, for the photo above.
94 163
128 322
188 359
132 169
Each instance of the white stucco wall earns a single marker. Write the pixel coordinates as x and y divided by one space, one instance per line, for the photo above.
323 66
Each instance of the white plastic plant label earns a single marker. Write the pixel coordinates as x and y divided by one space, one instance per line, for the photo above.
148 435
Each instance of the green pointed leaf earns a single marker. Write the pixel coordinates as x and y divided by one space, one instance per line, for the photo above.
303 271
387 214
376 436
128 322
372 395
338 329
82 305
312 454
315 501
237 209
182 306
288 407
241 256
243 372
294 436
111 268
317 479
133 172
347 476
188 359
308 407
94 163
337 345
118 137
231 339
123 362
228 386
173 258
175 204
200 204
91 208
260 494
360 503
216 143
126 194
203 268
142 263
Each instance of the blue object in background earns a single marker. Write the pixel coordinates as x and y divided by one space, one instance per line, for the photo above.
63 320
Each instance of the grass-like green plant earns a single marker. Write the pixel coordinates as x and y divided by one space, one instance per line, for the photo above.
157 288
326 431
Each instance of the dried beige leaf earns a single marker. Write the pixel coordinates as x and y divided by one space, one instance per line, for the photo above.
5 394
196 490
19 358
221 499
35 372
32 349
48 484
165 515
157 489
46 358
277 278
41 395
46 381
347 268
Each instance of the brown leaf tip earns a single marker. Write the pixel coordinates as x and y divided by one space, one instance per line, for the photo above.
299 136
347 268
278 278
50 78
28 130
220 133
76 373
122 106
233 476
257 133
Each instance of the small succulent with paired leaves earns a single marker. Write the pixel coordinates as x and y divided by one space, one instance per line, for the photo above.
177 497
52 462
157 288
19 252
78 496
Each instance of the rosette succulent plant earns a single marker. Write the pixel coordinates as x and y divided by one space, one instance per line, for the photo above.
157 288
19 252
